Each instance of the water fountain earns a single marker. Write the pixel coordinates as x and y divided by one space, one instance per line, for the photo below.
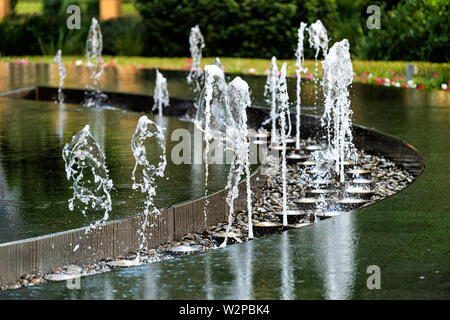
62 76
94 61
144 172
196 45
85 165
221 114
298 71
210 113
283 98
238 95
218 63
318 40
338 76
270 92
161 94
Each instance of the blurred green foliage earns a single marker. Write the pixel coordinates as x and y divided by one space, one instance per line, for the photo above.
245 28
36 35
414 30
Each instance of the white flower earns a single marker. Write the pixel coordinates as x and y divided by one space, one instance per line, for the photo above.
251 70
444 86
387 82
410 83
397 84
78 62
370 75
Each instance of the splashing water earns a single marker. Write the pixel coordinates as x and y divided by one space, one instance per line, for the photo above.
85 165
161 94
196 45
238 95
283 99
270 92
210 115
338 76
299 69
222 114
62 75
318 39
147 129
94 60
218 63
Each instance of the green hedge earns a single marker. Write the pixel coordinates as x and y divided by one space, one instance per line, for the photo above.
245 28
410 29
415 30
44 35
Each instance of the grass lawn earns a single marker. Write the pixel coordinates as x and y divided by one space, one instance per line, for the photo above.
435 76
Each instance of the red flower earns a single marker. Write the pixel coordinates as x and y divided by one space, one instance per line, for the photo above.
404 85
420 86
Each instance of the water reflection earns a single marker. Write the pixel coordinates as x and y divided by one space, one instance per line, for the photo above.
61 123
287 269
241 257
32 134
335 242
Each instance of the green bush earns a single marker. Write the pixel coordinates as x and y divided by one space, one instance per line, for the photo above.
410 29
37 35
244 28
122 36
57 7
415 30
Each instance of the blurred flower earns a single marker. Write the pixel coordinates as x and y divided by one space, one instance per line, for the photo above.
78 62
420 86
251 70
436 75
444 86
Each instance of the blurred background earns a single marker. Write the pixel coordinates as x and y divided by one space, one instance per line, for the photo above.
413 30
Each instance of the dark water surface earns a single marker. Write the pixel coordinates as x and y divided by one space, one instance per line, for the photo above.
406 235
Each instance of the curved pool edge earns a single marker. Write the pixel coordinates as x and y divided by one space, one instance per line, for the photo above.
39 255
